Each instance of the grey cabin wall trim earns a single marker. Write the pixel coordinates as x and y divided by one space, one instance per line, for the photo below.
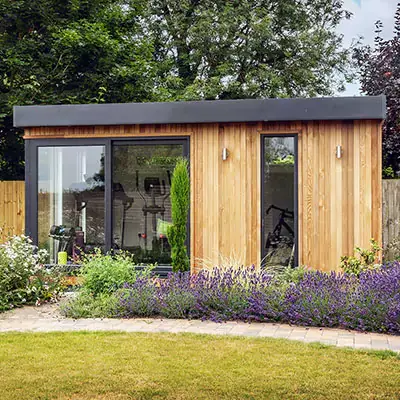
251 110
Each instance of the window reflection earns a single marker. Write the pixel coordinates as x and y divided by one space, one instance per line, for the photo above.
278 202
70 198
141 199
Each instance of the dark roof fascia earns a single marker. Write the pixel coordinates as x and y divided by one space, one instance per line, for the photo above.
250 110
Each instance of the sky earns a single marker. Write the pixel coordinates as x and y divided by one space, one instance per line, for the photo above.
362 23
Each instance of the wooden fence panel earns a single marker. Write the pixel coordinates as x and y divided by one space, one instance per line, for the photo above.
391 218
12 208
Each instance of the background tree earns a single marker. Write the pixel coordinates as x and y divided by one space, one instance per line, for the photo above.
88 51
225 49
380 74
77 51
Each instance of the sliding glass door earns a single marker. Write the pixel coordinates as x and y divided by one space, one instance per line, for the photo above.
141 198
112 194
279 201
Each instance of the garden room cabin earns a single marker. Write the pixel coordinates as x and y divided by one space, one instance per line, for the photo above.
273 182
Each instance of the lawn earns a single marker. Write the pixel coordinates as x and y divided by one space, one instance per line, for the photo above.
110 365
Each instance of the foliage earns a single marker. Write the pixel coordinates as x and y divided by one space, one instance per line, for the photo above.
286 275
138 299
388 173
368 302
246 49
363 260
286 160
107 273
12 165
105 280
180 201
23 280
175 298
374 304
234 260
156 160
95 51
47 285
227 294
319 299
379 74
63 52
85 305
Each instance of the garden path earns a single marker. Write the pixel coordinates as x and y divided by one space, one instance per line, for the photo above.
47 318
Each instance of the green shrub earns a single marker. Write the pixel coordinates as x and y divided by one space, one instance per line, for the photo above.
180 200
47 285
388 173
20 260
287 275
85 305
108 273
362 260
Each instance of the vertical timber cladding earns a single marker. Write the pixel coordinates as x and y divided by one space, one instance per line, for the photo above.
339 200
226 219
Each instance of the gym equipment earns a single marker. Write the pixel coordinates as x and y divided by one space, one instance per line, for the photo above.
153 189
65 236
127 202
85 192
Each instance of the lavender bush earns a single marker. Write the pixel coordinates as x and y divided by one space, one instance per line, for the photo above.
176 296
138 299
319 299
370 302
231 294
374 304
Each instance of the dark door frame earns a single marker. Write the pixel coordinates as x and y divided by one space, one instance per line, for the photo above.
296 193
31 175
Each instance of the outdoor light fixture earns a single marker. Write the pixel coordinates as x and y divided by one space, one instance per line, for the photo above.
338 151
225 154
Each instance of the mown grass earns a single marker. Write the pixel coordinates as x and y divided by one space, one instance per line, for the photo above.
108 365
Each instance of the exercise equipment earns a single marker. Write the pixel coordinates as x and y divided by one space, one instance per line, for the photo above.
127 202
65 237
84 193
153 190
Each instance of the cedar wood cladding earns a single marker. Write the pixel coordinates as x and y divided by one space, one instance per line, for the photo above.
339 200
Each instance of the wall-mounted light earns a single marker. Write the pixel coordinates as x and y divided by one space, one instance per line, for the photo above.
339 151
225 154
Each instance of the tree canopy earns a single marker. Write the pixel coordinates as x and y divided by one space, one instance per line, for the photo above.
77 51
219 49
380 74
88 51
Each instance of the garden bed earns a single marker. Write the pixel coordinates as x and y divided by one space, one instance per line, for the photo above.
365 298
368 302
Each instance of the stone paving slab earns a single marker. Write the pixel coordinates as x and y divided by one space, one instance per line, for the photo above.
47 318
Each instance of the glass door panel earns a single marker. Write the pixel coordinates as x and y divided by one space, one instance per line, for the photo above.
279 211
70 198
141 198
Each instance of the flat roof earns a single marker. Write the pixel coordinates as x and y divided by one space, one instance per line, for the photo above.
250 110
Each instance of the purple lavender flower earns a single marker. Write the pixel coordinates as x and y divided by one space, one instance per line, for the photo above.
370 302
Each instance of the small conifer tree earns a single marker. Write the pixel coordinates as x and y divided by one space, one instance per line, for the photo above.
180 200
